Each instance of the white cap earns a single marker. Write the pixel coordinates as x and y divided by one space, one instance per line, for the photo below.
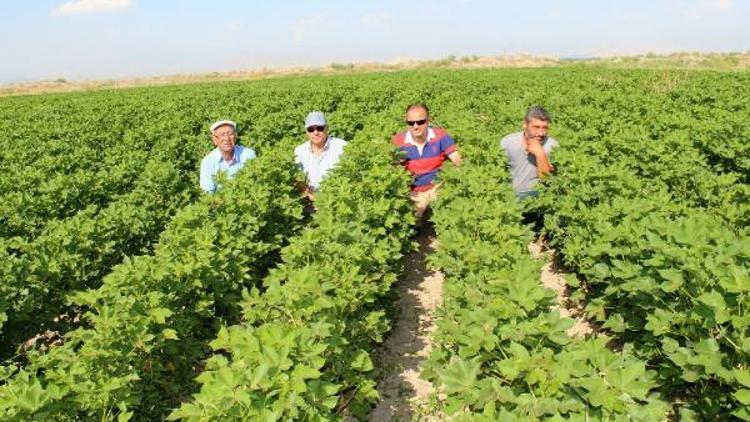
222 123
315 118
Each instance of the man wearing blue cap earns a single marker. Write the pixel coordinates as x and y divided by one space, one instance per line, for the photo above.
319 154
227 157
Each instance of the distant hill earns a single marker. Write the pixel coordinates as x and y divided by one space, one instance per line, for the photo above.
684 60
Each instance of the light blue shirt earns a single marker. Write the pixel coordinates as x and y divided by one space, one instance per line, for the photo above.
213 163
314 167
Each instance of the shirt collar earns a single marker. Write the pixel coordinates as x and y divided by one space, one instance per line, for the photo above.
325 148
430 136
235 156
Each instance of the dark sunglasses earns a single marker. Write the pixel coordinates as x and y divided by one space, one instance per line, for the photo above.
312 129
416 122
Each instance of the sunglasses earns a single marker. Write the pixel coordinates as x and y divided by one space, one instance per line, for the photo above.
416 122
312 129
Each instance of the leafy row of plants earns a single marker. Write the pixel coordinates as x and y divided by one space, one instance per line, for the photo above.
26 211
67 152
686 130
74 254
303 348
499 352
650 207
665 277
166 147
145 329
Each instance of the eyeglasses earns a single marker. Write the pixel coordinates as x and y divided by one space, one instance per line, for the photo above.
416 122
224 134
312 129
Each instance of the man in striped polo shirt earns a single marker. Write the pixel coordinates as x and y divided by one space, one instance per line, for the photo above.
426 148
319 154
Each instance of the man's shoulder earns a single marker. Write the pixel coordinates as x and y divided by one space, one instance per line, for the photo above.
552 142
211 157
337 142
300 149
440 133
511 139
399 139
245 153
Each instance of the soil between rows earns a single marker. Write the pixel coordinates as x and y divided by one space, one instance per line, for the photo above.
419 293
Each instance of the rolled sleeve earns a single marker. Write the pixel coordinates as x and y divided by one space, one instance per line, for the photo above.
448 145
248 153
207 177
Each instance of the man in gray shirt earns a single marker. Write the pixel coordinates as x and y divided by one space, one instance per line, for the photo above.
528 152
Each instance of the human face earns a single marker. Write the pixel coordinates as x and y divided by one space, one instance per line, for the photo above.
224 138
416 115
318 135
535 129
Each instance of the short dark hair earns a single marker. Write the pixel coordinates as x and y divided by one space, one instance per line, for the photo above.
423 106
537 112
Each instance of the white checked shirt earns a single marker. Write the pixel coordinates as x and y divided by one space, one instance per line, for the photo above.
314 167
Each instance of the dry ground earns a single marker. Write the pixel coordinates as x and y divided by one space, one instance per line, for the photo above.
403 394
554 278
419 292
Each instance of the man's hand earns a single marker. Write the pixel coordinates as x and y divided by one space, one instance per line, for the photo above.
534 146
304 190
455 158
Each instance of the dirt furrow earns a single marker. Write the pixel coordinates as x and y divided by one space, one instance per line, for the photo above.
554 278
419 294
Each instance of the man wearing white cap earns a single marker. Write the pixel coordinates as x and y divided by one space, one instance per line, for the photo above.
227 157
319 154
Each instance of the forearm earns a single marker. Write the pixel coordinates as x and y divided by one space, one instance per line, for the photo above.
543 166
207 182
455 158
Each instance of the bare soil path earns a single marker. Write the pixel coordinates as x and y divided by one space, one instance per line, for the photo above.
419 294
402 392
554 278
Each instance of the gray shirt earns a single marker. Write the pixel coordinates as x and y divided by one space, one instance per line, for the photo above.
522 164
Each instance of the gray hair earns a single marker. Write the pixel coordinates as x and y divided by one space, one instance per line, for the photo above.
537 112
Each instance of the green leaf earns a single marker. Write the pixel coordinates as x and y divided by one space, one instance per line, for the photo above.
124 416
742 376
715 301
160 315
460 376
362 362
629 380
169 334
673 280
616 323
743 396
659 322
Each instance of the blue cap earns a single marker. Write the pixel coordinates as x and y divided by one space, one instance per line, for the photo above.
315 118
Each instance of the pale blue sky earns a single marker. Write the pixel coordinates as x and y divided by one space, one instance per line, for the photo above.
99 39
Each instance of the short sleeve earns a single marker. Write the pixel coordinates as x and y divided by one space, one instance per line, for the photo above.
448 145
298 156
207 177
552 144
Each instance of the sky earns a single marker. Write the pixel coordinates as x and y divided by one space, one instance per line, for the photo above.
112 39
